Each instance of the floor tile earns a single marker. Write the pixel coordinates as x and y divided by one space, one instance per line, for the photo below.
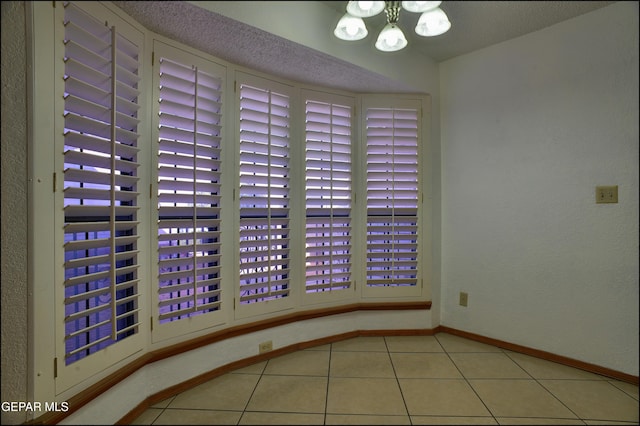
198 417
424 365
435 420
289 394
537 421
452 343
441 397
301 363
346 419
488 366
262 418
361 364
519 398
595 400
372 344
543 369
413 344
364 396
628 388
227 392
441 379
148 417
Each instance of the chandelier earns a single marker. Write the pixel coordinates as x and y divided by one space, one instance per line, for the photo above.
432 22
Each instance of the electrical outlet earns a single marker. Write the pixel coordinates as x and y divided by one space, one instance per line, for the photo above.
606 194
464 298
265 347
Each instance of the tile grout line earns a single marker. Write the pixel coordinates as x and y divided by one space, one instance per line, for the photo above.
544 387
326 397
393 367
163 410
244 410
467 380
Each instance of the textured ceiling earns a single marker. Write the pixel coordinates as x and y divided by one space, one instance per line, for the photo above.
475 24
253 48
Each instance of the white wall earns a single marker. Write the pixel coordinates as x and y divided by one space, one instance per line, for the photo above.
529 128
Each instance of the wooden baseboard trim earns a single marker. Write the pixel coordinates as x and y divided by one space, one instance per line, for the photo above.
78 401
548 356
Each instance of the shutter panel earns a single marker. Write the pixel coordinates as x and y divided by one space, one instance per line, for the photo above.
100 185
328 197
189 143
264 195
392 197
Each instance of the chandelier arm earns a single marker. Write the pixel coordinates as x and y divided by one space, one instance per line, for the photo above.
392 10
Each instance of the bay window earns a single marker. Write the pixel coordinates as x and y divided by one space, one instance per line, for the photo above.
186 202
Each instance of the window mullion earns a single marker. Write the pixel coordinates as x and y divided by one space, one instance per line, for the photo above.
332 248
195 192
113 218
393 194
269 183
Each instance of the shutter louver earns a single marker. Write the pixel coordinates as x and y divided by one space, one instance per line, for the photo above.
328 197
392 197
100 185
188 192
264 195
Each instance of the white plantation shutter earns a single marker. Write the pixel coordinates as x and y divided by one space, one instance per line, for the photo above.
189 143
392 197
100 185
328 195
264 195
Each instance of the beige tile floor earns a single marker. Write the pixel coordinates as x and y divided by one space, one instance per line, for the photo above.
419 380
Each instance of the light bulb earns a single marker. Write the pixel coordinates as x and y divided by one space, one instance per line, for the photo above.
392 38
351 28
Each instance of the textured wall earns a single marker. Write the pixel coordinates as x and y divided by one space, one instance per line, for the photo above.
14 209
529 128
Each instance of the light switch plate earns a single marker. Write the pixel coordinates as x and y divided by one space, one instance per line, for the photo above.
606 194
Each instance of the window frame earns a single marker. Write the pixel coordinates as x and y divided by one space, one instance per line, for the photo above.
67 376
351 293
397 102
246 310
196 323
